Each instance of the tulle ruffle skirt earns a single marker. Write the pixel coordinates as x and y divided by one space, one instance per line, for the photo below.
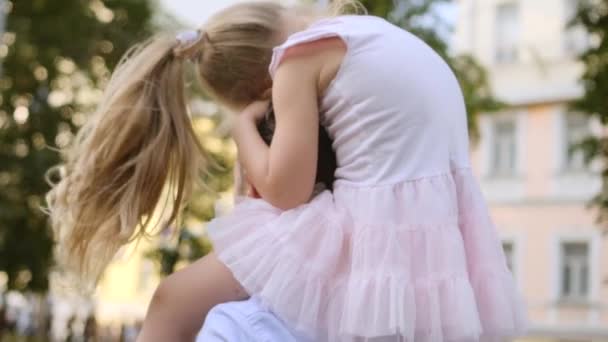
414 261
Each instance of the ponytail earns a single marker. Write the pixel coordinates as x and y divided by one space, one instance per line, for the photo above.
138 152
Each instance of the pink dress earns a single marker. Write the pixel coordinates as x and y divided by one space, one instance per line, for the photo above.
404 248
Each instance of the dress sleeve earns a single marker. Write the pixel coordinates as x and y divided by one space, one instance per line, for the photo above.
323 29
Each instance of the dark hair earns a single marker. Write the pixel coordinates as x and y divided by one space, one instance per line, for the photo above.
326 161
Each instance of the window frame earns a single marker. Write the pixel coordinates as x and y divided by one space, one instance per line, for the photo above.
575 40
574 284
566 163
500 40
592 237
494 170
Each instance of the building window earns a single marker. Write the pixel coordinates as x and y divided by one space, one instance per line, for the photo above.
576 130
507 32
504 149
574 271
508 249
575 37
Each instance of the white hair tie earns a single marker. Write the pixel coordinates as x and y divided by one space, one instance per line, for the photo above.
188 44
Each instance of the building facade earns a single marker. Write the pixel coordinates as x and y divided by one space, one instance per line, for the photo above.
537 185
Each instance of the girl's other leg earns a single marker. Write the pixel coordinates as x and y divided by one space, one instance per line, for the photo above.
181 302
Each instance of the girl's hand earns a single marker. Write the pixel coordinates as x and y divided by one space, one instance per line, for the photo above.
247 121
255 112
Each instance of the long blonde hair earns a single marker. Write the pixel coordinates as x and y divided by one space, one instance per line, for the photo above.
140 146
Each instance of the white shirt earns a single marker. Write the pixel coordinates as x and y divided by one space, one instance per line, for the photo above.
246 321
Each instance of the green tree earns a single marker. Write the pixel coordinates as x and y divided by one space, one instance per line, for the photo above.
187 246
55 55
421 18
592 15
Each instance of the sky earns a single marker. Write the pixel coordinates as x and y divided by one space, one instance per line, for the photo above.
196 12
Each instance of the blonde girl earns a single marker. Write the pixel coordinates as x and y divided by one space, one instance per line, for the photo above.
402 249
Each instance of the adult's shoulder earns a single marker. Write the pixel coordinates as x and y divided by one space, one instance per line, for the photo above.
246 321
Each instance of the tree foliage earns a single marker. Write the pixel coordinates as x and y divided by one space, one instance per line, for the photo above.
55 56
592 15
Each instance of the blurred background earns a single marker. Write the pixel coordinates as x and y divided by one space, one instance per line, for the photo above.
535 78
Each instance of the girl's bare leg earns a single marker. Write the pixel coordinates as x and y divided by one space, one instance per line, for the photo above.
181 302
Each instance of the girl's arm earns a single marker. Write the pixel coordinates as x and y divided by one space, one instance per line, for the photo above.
182 300
284 174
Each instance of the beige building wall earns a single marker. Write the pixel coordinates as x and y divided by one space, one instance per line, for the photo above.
127 286
537 189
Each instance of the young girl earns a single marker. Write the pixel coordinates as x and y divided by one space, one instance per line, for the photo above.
402 250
